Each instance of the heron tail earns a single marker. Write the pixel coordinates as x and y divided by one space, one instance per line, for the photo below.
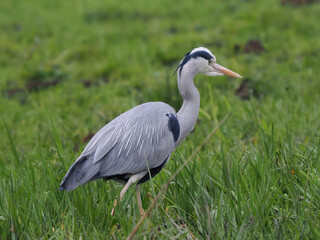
81 172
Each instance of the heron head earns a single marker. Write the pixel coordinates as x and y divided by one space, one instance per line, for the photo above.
202 61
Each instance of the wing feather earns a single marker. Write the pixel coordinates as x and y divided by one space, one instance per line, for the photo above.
104 147
135 140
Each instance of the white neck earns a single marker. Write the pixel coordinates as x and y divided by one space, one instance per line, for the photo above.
188 113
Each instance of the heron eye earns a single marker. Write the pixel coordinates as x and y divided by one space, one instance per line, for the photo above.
210 61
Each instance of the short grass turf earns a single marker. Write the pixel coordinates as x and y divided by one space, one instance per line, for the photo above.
69 67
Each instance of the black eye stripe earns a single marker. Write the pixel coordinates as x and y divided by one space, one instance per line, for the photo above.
203 54
196 54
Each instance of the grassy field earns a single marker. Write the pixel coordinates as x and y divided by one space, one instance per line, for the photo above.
69 67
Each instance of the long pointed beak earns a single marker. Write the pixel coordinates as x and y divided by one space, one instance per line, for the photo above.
226 71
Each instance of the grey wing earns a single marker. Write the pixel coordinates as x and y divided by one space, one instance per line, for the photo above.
142 138
138 139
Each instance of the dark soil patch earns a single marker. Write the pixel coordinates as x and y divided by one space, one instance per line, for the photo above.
90 83
87 137
297 2
105 79
43 78
16 93
254 46
84 139
35 81
237 48
12 26
245 90
253 88
173 30
86 82
36 85
21 94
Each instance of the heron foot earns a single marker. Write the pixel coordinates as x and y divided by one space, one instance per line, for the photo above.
132 180
114 206
142 212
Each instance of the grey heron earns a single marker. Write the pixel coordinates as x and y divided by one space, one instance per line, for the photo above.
136 145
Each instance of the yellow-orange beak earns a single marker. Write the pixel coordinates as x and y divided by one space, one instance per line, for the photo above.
225 71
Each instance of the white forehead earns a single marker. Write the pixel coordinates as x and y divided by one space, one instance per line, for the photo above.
201 49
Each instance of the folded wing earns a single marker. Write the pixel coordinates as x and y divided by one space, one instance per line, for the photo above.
138 139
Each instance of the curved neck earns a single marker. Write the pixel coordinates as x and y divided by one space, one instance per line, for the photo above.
188 113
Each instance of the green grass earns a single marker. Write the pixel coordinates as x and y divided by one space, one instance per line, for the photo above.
258 178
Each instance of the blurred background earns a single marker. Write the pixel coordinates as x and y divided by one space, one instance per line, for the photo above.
69 67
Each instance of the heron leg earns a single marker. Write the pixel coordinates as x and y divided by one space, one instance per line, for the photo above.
134 178
114 205
142 212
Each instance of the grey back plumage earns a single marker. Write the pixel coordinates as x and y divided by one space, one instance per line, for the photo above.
136 140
